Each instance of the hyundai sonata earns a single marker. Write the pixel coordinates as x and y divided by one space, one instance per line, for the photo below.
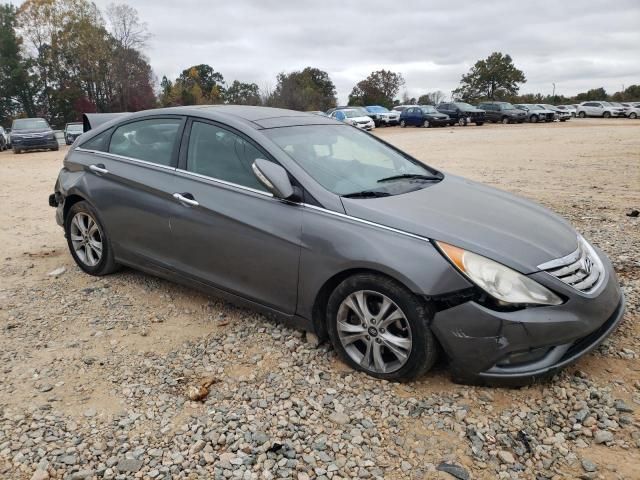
337 232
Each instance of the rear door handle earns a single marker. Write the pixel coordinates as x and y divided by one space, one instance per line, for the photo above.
185 200
99 169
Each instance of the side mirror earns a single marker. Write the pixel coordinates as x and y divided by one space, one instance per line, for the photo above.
273 177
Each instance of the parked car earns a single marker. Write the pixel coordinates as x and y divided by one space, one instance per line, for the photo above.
72 131
400 108
362 110
560 115
462 113
599 109
335 231
536 113
32 134
382 116
355 118
503 112
4 140
423 116
568 108
633 111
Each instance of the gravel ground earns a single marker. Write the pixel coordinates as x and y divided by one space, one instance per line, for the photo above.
97 373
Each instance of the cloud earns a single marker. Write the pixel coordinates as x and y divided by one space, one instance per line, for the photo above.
577 45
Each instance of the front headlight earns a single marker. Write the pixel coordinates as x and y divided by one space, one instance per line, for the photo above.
502 283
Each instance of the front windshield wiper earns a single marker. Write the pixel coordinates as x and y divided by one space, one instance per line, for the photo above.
367 194
410 176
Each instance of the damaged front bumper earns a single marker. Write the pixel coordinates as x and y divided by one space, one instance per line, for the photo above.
487 346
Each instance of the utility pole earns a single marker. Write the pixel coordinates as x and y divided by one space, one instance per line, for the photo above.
554 92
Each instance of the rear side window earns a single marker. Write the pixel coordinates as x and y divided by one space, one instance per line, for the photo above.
99 143
223 155
150 140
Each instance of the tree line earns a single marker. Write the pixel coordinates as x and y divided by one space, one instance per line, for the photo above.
62 58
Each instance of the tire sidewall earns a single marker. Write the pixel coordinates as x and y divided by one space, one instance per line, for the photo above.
417 313
106 261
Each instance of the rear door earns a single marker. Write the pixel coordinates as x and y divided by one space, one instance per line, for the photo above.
231 233
131 175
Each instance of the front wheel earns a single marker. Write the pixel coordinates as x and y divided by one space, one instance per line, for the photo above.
505 120
88 241
403 123
633 115
462 122
582 115
379 327
606 115
533 119
16 150
479 124
426 124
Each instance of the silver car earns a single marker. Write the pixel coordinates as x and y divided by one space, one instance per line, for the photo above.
333 230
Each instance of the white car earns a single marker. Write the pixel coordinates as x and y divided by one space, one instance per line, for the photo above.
382 115
599 109
561 115
354 117
568 108
7 138
633 111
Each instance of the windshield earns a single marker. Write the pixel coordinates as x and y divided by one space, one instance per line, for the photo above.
345 160
428 109
508 106
377 109
464 106
74 128
30 124
352 113
534 107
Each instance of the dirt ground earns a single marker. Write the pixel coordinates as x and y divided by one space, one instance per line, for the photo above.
586 170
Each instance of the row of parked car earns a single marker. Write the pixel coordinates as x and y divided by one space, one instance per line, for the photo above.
37 134
460 113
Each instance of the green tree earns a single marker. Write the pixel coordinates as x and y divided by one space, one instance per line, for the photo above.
209 83
239 93
593 94
493 78
431 98
18 86
379 88
309 89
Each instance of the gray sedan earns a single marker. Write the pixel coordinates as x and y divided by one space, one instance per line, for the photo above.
337 232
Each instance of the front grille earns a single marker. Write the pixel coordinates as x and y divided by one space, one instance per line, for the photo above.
581 269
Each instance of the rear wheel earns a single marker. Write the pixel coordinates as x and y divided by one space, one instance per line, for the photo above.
479 124
403 123
379 327
633 115
16 150
582 114
88 241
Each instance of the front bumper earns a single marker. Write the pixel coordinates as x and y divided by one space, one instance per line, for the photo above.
34 143
517 347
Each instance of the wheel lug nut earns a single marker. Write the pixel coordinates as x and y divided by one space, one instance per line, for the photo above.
368 337
382 330
378 340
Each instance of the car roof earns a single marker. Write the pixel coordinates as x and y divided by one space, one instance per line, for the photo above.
255 117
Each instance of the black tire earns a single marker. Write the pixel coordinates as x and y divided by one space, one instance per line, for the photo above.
16 151
479 124
418 315
582 115
505 120
55 149
606 115
451 124
633 115
403 123
462 122
107 263
533 118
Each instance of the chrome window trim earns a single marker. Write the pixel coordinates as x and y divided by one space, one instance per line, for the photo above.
224 182
365 222
130 159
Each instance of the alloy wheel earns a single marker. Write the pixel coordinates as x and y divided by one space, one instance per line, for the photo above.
403 123
374 331
633 115
462 122
86 239
426 124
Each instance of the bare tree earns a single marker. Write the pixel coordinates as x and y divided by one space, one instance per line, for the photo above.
126 26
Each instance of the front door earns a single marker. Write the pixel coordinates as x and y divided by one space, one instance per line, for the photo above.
230 232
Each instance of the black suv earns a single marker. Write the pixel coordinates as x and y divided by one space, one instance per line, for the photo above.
462 113
502 112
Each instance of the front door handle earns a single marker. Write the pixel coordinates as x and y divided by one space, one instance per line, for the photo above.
99 169
185 200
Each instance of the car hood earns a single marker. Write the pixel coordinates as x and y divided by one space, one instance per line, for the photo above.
509 229
31 130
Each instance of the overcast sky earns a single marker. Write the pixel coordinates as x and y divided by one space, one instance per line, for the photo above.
578 44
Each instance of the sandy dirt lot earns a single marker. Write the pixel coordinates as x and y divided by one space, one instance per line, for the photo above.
94 370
